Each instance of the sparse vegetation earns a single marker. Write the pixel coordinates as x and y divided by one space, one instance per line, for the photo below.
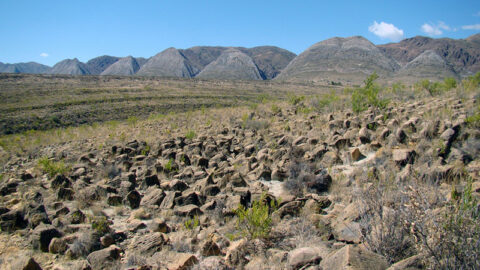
190 135
100 224
191 223
52 168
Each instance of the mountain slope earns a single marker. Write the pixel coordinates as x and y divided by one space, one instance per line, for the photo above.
200 56
232 64
339 59
270 60
462 54
71 67
125 66
30 67
98 64
168 63
428 65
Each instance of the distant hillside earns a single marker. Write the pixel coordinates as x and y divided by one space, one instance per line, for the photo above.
428 65
30 67
199 57
125 66
71 67
98 64
270 60
462 54
232 64
169 63
339 59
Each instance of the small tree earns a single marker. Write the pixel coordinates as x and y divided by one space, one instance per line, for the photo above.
367 96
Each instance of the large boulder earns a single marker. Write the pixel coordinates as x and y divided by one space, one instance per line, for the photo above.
354 258
107 258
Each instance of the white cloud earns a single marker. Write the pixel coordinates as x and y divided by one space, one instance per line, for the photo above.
386 31
44 54
435 29
471 27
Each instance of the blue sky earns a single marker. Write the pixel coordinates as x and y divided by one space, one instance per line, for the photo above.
49 31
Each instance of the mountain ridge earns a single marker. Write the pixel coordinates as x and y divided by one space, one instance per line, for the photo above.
346 59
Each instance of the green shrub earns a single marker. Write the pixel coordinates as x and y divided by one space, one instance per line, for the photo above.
433 88
52 168
367 96
190 135
294 99
100 224
474 120
275 109
192 223
327 100
449 83
471 83
170 166
132 120
256 222
145 150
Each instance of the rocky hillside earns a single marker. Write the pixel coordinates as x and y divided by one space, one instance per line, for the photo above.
270 60
169 63
462 54
339 59
317 190
428 65
70 67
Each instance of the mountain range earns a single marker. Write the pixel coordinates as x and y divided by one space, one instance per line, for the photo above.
336 59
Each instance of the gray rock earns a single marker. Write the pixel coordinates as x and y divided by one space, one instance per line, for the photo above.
148 244
403 157
300 257
106 258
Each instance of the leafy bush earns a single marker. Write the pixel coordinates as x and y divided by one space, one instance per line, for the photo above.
449 83
52 168
367 96
256 222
